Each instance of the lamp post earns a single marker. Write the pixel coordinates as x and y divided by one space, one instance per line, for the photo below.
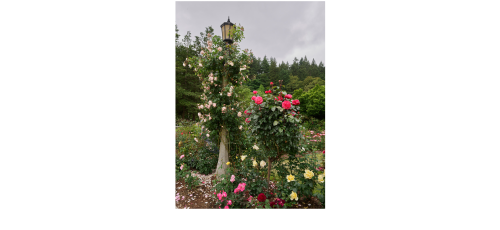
224 143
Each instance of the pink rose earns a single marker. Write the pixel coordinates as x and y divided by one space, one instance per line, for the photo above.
271 83
182 156
224 194
232 179
296 102
182 166
258 100
253 98
288 96
229 202
226 207
254 92
286 105
219 48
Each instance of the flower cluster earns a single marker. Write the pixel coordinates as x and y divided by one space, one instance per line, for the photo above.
214 66
278 201
240 188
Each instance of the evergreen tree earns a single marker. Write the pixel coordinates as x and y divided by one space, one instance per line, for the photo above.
264 65
314 69
307 66
187 85
294 68
273 71
284 74
302 69
321 70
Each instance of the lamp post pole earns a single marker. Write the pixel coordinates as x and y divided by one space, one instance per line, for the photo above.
224 144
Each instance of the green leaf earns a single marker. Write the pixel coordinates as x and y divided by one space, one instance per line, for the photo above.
273 108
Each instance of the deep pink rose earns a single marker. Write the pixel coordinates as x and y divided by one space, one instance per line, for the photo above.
296 102
247 121
271 83
288 96
253 98
280 98
261 197
254 92
226 207
229 202
286 105
258 100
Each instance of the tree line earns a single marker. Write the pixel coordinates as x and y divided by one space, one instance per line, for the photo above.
299 78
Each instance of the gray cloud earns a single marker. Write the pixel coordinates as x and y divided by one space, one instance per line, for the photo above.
282 30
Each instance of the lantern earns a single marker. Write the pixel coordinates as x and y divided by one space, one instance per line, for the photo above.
226 27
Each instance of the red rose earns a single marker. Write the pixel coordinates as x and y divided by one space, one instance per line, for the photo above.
272 204
254 92
286 105
247 121
258 100
323 151
280 98
271 83
296 102
288 96
253 98
261 197
247 113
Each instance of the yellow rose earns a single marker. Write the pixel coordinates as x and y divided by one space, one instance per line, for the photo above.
309 174
321 178
228 163
294 196
255 163
243 157
290 178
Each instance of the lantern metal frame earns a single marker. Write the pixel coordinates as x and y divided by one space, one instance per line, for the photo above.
226 27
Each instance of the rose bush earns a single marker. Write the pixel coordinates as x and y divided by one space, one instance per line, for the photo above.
221 67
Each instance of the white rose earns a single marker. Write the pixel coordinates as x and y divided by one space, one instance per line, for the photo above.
262 163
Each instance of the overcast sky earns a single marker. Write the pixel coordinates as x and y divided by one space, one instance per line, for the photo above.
282 30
